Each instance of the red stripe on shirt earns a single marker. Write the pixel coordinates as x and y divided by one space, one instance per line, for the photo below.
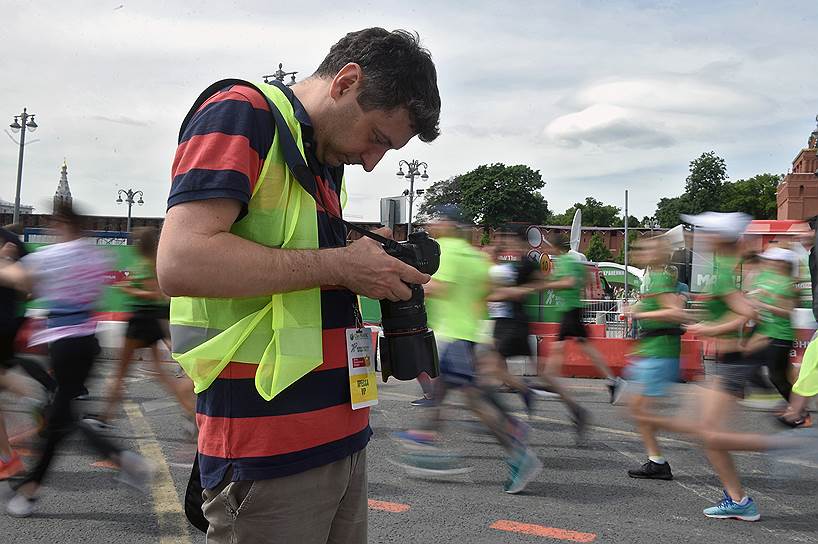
218 151
239 92
334 348
328 200
277 435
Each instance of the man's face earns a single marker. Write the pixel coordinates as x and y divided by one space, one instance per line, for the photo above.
350 135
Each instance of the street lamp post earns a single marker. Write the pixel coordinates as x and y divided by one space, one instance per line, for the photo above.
21 122
130 195
279 75
412 170
815 141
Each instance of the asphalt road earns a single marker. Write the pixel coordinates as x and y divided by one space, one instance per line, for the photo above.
582 495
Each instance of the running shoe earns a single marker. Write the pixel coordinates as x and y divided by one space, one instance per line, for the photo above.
21 506
727 508
423 402
135 471
769 402
544 393
12 467
652 471
83 394
415 439
616 388
95 422
803 421
523 468
434 462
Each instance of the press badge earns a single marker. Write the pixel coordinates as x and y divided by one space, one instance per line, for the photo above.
363 389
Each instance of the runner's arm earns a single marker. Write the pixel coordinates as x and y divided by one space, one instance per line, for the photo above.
740 312
782 308
14 275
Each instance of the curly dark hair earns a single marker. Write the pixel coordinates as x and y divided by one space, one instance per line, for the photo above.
398 73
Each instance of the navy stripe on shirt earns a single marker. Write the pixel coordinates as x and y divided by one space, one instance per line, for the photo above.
235 117
314 391
214 469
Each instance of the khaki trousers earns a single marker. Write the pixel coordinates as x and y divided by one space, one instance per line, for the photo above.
325 505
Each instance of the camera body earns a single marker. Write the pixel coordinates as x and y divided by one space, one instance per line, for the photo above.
408 346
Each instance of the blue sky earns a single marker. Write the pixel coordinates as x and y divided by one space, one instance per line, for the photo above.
600 96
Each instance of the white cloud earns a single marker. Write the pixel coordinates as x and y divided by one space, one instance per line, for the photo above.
599 96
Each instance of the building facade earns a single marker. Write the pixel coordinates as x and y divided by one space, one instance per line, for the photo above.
797 195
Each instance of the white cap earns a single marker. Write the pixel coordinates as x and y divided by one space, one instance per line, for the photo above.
775 253
727 225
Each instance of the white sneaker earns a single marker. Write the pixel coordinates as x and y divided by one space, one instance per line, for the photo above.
21 506
97 424
135 471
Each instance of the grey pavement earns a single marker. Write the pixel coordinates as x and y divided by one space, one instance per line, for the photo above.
582 495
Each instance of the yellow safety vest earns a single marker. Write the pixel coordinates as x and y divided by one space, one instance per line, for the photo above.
280 333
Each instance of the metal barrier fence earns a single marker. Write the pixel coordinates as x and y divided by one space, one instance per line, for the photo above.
609 313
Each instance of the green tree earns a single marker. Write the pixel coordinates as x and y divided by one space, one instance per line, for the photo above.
704 186
594 214
669 209
633 222
621 257
754 196
597 250
492 195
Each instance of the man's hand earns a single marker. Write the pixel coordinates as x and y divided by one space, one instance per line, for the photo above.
366 269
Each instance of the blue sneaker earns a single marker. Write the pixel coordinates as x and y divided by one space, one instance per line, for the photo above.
414 439
423 402
730 509
433 462
523 468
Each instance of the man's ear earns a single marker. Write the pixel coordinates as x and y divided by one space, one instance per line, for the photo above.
347 79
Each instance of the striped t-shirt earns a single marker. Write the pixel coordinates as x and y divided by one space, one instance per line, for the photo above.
311 423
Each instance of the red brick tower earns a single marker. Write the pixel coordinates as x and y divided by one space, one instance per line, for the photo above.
797 194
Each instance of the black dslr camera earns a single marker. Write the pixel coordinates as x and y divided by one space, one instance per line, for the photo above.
408 346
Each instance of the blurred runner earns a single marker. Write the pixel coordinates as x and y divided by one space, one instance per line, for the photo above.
727 312
12 316
774 296
147 326
456 306
568 279
70 277
512 282
656 366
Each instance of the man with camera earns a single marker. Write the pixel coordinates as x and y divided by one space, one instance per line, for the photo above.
264 285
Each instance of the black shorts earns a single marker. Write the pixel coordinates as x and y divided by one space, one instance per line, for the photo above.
8 334
571 325
511 337
734 372
7 348
776 353
145 326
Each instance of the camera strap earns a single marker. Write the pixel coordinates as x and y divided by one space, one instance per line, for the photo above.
289 148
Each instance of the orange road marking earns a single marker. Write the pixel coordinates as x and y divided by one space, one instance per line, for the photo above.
540 530
388 506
